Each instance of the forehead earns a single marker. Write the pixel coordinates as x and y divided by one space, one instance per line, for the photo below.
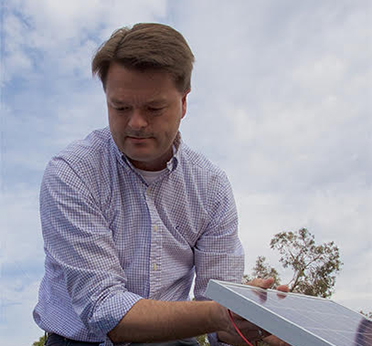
125 84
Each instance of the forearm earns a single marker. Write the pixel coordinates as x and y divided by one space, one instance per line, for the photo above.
152 321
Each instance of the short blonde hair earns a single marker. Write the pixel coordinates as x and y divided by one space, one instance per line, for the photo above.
147 46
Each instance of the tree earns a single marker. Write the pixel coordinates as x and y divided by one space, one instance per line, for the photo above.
40 342
314 266
262 270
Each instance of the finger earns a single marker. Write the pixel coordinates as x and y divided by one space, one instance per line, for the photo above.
283 288
262 283
244 327
262 333
272 340
255 335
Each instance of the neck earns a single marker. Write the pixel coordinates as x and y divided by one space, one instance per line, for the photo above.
154 165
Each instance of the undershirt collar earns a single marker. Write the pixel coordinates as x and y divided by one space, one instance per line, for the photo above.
150 176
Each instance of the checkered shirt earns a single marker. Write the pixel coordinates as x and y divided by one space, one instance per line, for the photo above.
111 239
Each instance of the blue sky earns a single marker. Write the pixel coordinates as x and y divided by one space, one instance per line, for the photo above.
281 100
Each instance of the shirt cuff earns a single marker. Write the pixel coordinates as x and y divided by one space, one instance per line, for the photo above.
112 310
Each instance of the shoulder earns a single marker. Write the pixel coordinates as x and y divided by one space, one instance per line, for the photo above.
83 158
200 167
198 161
91 148
209 182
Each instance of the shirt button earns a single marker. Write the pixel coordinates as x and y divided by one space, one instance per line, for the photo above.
154 267
155 228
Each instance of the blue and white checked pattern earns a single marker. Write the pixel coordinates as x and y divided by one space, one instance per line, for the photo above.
111 239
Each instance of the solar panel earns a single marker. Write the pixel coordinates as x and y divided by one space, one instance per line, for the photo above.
298 319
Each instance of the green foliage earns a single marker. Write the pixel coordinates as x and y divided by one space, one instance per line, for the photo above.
40 342
314 266
263 270
202 340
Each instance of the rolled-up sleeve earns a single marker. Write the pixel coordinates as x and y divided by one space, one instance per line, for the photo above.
79 245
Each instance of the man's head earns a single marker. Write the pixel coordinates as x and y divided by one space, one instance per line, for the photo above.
146 74
147 46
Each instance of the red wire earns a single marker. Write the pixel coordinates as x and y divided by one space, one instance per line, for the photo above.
237 329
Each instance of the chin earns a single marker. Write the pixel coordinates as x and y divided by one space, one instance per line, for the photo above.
143 159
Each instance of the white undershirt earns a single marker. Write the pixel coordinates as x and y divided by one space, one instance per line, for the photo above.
150 176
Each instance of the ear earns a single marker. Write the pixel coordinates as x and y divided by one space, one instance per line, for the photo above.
184 102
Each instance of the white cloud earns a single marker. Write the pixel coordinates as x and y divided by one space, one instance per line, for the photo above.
14 61
21 262
40 33
16 310
20 226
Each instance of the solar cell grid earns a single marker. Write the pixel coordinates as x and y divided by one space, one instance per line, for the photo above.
298 319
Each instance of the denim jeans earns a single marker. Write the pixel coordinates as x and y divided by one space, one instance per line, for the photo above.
184 342
57 340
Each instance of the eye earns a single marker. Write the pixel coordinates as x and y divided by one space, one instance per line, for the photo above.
155 109
122 109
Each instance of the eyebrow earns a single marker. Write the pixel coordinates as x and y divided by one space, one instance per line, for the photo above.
118 102
160 101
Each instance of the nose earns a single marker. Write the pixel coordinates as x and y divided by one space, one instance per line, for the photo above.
137 120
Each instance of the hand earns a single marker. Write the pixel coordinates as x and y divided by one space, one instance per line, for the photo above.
274 341
267 283
252 332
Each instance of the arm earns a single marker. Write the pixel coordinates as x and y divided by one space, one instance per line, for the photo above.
155 321
80 251
151 321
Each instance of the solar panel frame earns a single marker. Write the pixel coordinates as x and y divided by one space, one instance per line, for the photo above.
296 335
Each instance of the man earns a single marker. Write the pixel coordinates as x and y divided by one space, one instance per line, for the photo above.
130 214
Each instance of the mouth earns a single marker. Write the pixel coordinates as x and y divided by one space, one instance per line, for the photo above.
137 139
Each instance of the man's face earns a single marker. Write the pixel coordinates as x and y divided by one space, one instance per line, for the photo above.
145 110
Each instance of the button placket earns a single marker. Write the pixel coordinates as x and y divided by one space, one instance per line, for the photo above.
156 245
